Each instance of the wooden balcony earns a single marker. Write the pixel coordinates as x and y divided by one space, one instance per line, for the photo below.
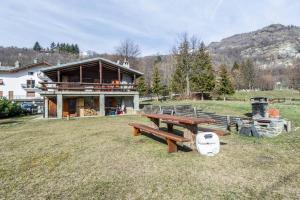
88 87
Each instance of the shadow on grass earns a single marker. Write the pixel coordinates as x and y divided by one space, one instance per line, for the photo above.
8 122
161 140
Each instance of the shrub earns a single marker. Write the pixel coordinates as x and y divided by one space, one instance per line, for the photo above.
9 108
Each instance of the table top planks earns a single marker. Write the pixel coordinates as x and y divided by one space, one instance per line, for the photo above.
181 119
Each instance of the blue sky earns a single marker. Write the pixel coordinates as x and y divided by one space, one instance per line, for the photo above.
154 24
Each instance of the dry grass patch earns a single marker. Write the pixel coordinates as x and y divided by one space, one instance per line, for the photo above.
98 158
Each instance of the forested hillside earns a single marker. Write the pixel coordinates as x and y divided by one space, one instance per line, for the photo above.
264 59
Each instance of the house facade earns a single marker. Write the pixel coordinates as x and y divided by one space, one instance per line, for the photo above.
90 87
20 83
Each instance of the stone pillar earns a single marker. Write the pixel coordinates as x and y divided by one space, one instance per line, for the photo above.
59 105
46 107
102 104
136 102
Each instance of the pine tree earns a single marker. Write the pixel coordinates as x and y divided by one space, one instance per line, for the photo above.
52 46
178 82
181 77
203 78
37 47
76 47
141 86
224 86
156 82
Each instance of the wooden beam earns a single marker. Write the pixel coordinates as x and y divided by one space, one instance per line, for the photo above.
58 75
80 74
119 74
100 71
134 78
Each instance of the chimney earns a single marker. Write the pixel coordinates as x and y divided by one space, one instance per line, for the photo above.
58 63
126 63
0 64
35 61
17 64
118 61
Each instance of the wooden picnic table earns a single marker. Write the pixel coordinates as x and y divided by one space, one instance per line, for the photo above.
189 123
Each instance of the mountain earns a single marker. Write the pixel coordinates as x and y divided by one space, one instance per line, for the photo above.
273 46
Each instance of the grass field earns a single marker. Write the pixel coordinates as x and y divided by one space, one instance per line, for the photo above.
271 94
98 158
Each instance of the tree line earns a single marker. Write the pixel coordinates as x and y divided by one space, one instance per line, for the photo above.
58 47
193 73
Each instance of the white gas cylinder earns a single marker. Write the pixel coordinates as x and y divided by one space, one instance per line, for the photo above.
207 143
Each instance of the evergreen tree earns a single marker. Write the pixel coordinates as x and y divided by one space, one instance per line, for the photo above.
178 82
141 86
76 48
181 77
52 46
156 82
224 86
37 47
203 78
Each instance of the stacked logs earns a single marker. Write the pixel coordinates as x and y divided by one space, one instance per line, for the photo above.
90 112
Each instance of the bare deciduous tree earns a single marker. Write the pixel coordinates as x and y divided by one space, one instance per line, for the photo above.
128 50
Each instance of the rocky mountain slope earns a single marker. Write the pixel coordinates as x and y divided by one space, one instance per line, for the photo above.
273 46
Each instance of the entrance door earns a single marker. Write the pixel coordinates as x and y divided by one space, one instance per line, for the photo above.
52 107
72 106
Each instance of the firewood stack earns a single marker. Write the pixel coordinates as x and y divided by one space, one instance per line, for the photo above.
90 112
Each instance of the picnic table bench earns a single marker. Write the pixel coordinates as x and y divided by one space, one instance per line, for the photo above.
170 137
190 125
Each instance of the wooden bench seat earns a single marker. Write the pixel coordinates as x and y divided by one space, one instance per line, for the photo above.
204 129
170 137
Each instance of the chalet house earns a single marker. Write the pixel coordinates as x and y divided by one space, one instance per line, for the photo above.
90 87
20 83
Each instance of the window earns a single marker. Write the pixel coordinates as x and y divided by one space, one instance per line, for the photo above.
30 94
30 73
1 82
30 83
1 94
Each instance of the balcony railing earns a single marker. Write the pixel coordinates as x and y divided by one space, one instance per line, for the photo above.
30 87
88 87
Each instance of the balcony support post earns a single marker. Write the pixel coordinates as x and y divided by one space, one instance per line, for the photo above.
80 74
136 102
58 75
59 105
102 105
134 78
100 72
119 74
46 107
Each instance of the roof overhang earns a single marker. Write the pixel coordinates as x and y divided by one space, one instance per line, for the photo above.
92 60
17 69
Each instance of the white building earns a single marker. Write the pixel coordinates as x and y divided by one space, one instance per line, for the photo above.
20 83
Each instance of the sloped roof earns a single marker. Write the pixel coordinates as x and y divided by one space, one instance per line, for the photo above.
71 64
13 69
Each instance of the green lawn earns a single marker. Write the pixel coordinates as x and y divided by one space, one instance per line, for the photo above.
98 158
271 94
